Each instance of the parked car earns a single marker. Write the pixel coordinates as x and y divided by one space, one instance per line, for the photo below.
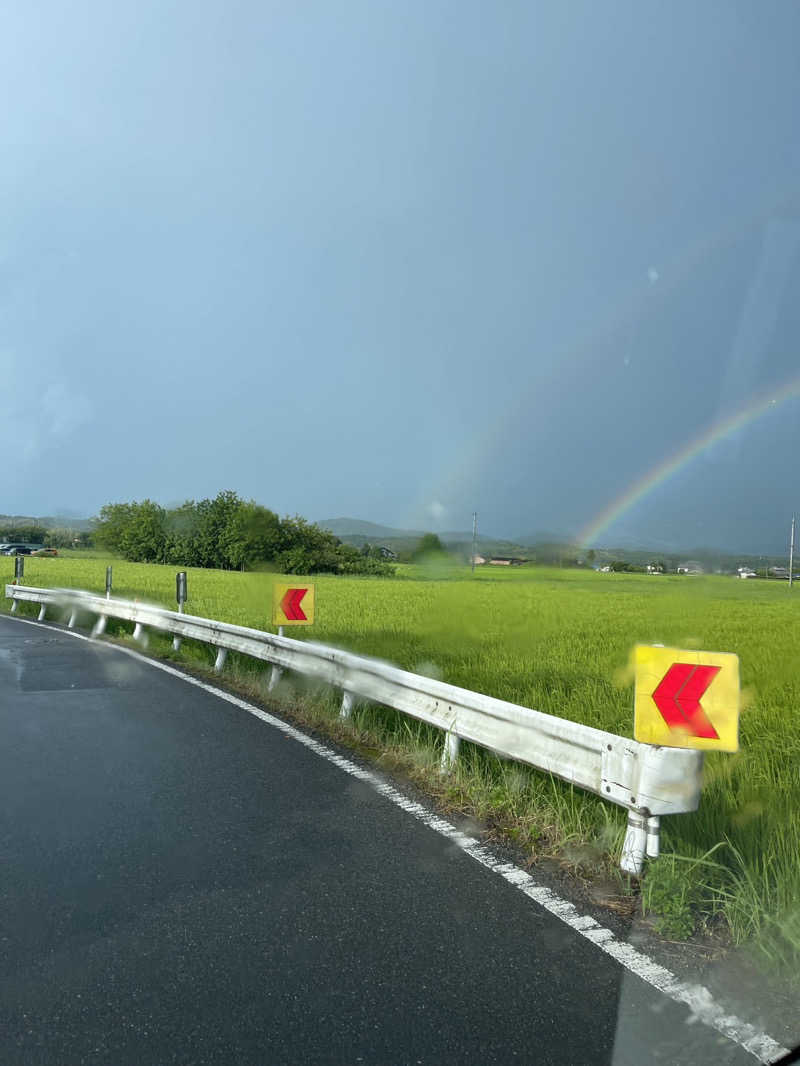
20 549
45 551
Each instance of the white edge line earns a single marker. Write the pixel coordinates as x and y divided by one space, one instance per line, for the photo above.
697 998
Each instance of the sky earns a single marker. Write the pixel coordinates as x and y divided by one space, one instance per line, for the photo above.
403 261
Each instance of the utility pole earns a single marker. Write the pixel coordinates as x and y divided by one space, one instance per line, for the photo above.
791 553
475 537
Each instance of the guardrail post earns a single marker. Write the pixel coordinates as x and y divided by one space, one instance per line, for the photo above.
635 846
137 631
109 572
73 618
219 662
347 705
42 612
452 743
181 597
277 671
13 606
100 626
653 836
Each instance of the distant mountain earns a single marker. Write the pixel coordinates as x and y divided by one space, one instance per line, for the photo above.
358 527
47 521
357 531
544 537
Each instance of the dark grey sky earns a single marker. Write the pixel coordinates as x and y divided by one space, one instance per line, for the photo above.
400 261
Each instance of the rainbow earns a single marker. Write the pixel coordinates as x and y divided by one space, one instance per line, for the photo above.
717 432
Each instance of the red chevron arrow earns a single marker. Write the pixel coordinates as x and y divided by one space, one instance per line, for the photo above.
678 698
290 605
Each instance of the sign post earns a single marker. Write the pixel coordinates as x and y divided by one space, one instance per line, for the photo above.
686 698
292 605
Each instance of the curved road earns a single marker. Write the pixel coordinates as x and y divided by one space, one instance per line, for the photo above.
183 883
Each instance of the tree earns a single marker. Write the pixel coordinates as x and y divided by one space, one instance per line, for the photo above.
252 534
135 530
144 537
591 555
24 534
111 525
429 544
181 535
227 532
64 537
213 516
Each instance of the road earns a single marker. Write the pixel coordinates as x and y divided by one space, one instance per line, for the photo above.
183 883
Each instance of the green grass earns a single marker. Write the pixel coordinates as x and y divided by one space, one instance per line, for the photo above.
558 641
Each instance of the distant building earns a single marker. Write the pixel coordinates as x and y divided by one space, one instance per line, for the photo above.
654 568
387 553
503 560
477 560
745 572
690 567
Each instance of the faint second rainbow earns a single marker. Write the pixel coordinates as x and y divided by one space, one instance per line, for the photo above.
718 431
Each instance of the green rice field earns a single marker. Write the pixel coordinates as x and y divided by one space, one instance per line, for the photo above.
558 641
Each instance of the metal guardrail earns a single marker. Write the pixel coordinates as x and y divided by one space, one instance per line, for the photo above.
648 781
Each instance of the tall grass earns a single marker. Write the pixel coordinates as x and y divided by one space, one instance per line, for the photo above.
559 641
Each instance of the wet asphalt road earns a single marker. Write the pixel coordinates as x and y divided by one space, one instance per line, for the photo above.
182 883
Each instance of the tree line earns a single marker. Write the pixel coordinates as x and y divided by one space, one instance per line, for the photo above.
227 533
55 537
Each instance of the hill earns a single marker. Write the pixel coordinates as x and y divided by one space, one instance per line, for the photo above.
358 527
358 532
47 522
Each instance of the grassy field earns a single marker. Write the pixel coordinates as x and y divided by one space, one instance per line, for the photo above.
559 641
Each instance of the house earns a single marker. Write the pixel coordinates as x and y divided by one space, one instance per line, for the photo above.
690 567
477 560
504 560
745 572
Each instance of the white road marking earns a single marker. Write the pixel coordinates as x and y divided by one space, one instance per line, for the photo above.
696 997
